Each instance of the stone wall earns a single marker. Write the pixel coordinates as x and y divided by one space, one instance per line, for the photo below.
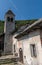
9 27
8 44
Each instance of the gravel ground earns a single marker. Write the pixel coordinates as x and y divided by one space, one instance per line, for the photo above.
13 64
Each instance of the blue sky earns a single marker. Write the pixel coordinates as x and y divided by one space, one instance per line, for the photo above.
23 9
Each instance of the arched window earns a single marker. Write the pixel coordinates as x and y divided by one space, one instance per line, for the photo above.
11 19
8 18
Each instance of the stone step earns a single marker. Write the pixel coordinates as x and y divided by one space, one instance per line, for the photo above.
8 59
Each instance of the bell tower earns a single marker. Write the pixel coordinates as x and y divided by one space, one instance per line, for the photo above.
9 22
9 26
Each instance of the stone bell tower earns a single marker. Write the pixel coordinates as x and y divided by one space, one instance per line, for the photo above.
9 27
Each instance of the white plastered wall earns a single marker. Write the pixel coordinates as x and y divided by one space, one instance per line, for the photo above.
32 38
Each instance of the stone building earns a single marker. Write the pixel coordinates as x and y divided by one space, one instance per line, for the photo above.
26 41
29 43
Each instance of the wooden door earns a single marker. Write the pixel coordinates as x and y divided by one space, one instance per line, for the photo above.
21 55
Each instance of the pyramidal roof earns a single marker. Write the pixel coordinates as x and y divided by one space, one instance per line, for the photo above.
9 12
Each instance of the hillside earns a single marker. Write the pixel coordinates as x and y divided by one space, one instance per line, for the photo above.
18 24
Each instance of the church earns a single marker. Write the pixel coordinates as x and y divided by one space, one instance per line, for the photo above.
26 41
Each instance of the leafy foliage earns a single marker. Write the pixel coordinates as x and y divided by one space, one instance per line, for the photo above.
1 26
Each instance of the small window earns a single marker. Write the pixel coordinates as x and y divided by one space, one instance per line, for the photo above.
14 48
33 50
8 18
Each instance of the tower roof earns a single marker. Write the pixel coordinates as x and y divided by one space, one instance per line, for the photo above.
9 12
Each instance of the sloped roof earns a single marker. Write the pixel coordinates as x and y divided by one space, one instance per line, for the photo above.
36 25
10 12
